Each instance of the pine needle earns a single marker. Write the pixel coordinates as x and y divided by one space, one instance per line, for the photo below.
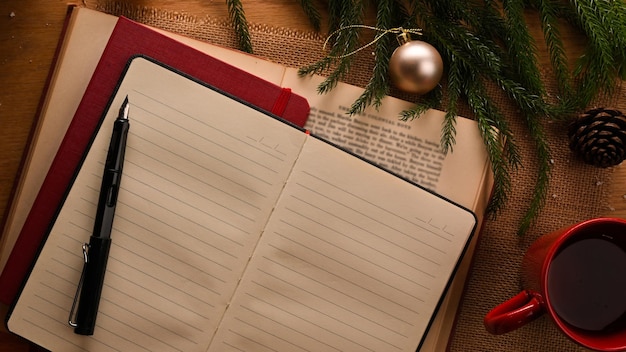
312 13
240 24
378 86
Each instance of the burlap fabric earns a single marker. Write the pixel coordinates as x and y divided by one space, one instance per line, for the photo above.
577 191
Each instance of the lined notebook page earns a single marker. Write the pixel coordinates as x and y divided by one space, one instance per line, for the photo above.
352 259
201 175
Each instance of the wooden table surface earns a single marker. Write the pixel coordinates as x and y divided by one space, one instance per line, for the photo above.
29 31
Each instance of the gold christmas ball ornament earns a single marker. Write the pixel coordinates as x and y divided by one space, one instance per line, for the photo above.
415 66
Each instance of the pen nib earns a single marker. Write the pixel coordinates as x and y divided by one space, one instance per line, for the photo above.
124 109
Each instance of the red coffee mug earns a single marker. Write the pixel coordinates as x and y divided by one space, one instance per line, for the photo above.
576 276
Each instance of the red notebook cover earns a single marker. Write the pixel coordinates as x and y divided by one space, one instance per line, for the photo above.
128 39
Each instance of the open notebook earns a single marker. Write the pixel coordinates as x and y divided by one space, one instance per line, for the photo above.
236 231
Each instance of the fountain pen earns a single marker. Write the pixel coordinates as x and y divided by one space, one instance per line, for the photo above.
96 252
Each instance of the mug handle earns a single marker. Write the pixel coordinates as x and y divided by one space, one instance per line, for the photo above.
519 310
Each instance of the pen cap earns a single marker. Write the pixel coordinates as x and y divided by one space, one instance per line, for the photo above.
92 285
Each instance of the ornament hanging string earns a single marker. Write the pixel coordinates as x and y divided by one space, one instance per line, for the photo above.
397 30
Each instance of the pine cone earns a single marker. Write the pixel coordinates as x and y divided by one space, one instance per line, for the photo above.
599 137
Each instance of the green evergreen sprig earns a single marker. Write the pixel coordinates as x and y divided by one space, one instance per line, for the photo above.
484 43
312 13
377 88
240 24
549 11
344 42
603 64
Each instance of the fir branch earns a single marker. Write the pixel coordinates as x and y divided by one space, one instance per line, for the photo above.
240 24
484 112
428 101
351 14
526 100
549 24
486 22
462 43
494 129
455 86
317 67
596 67
334 77
566 11
510 150
478 58
335 10
446 10
543 178
521 48
473 53
469 51
522 51
402 15
448 132
378 88
617 19
312 13
414 112
593 75
347 39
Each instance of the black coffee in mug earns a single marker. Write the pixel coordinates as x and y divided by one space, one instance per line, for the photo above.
587 282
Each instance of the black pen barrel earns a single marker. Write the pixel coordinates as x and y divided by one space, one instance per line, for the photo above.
111 179
115 155
97 252
95 268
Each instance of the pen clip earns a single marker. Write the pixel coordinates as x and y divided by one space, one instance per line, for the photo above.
72 316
